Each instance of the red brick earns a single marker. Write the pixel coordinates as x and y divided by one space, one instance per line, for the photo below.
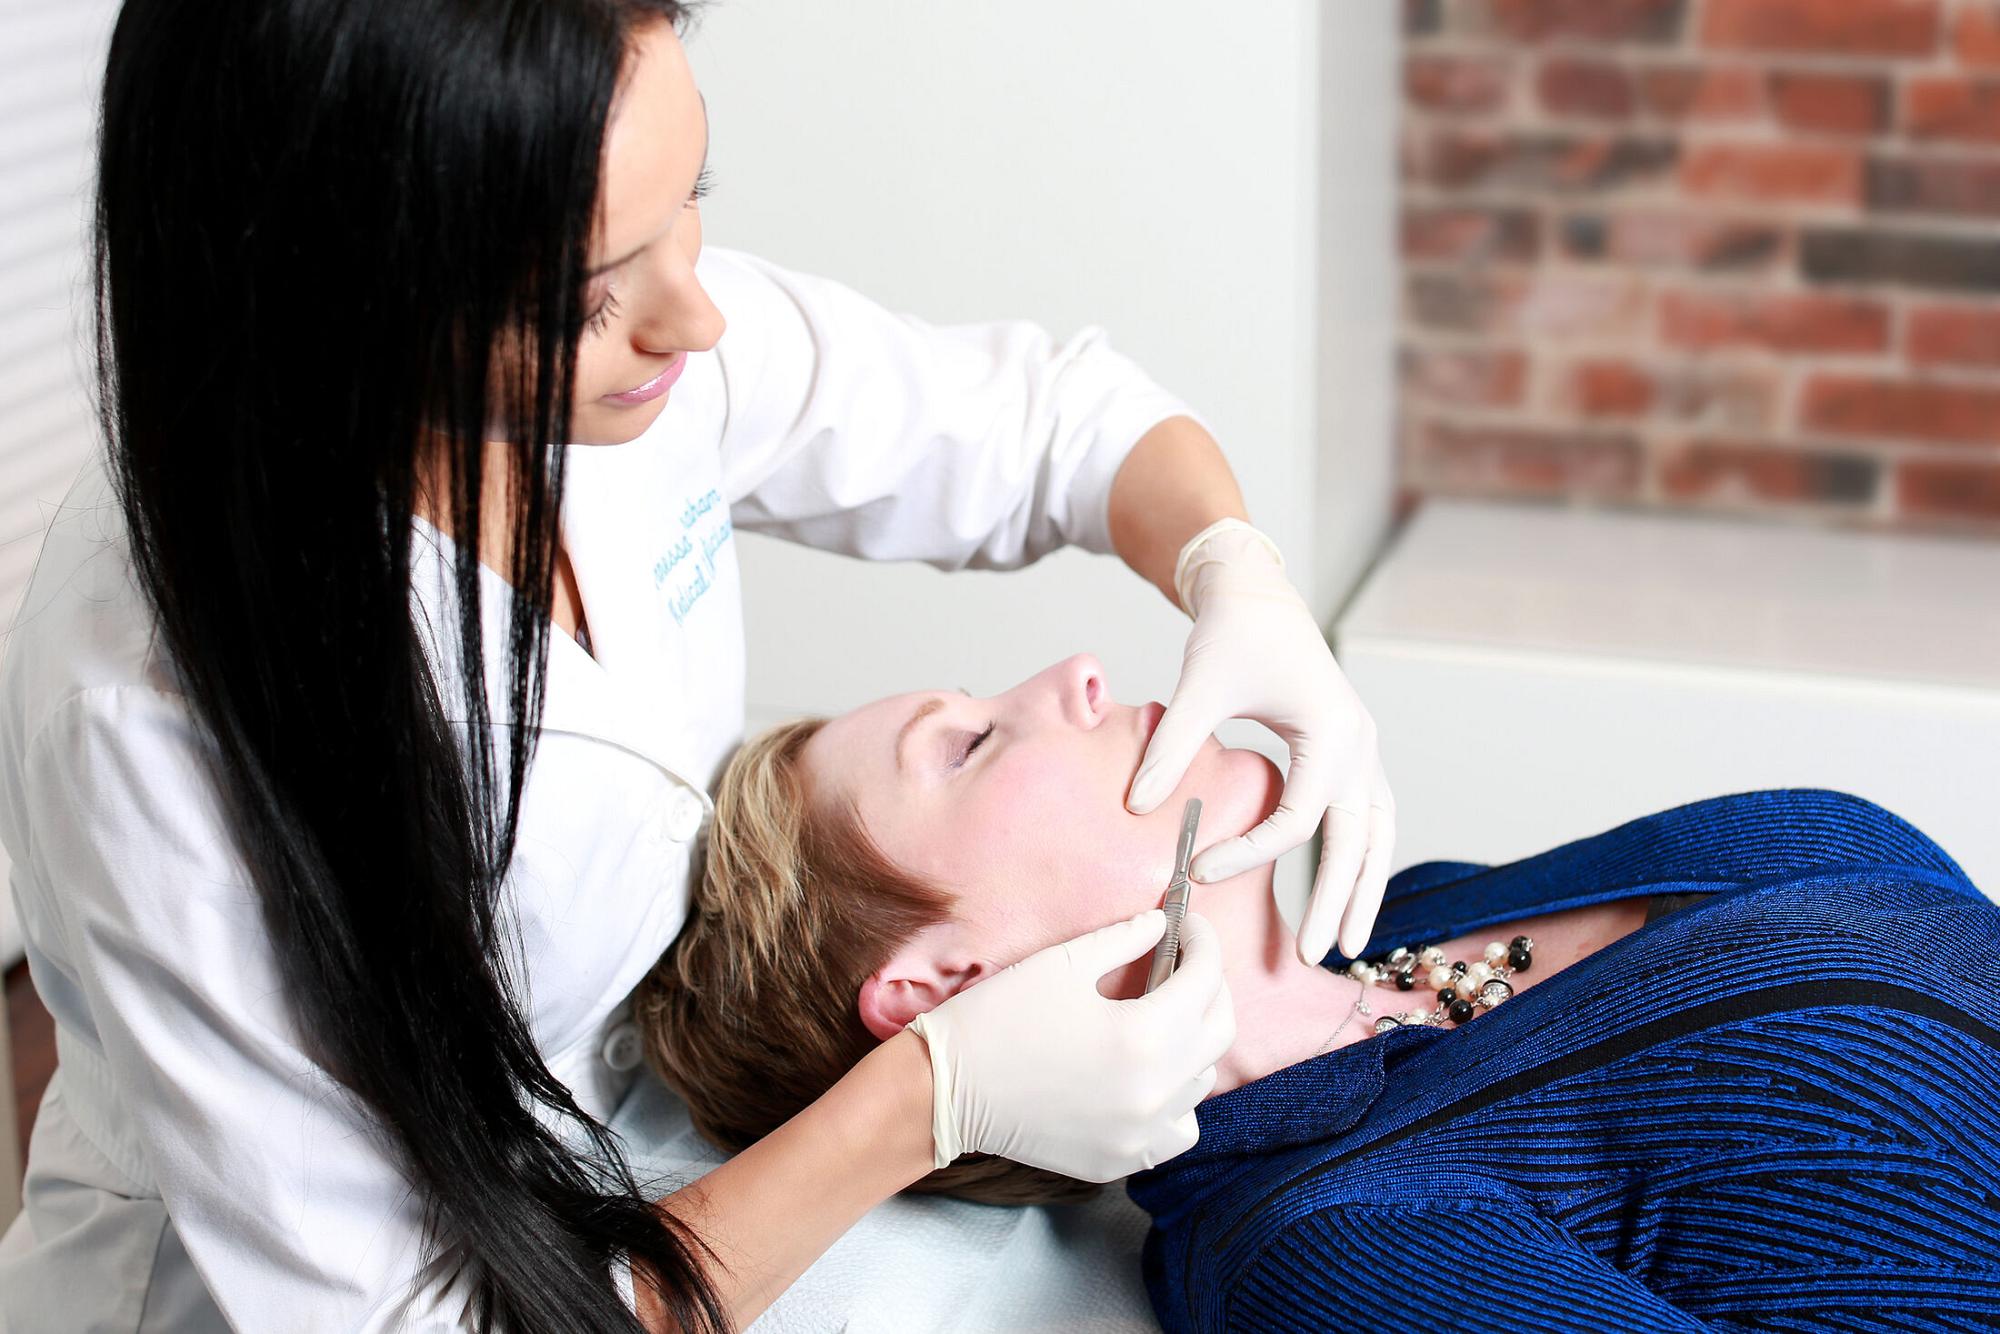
1802 173
1466 377
1952 108
1663 238
1588 20
1517 460
1844 27
1955 335
1977 35
1702 92
1902 409
1736 472
1831 103
1585 88
1609 389
1779 321
1471 235
1455 83
1947 489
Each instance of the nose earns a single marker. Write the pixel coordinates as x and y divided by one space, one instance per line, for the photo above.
679 312
1084 696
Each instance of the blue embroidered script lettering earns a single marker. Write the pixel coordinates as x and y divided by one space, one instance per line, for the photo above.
675 555
694 580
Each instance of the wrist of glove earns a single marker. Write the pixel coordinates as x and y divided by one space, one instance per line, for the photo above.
1033 1064
1224 546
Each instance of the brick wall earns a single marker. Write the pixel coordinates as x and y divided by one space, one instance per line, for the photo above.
1736 254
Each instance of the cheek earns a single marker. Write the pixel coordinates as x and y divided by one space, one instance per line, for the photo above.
1033 812
1045 850
1034 844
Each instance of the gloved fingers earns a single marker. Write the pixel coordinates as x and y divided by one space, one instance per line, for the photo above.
1191 718
1176 1139
1187 995
1359 923
1311 786
1191 1093
1342 851
1096 953
1285 828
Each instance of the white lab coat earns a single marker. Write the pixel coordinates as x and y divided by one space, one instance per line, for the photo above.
189 1155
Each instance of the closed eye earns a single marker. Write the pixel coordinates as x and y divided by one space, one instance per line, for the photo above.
977 742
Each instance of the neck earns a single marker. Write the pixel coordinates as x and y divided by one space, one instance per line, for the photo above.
1286 1011
433 491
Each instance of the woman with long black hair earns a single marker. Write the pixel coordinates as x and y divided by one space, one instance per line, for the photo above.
354 737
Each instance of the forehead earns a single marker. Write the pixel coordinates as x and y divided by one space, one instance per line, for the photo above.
653 141
854 757
859 746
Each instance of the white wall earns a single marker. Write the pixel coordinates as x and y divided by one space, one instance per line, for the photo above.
1360 82
51 58
1150 167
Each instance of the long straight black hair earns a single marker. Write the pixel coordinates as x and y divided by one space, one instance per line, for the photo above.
335 237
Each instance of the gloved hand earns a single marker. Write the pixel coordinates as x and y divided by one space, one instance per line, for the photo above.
1034 1065
1255 652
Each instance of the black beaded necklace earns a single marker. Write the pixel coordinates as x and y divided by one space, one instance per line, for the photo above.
1463 989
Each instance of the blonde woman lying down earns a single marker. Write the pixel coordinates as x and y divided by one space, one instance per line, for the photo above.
1724 1066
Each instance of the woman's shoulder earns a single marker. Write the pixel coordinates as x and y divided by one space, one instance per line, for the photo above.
1722 844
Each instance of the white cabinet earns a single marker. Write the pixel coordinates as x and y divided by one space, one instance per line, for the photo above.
1540 673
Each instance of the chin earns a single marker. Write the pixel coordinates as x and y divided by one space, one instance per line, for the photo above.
617 427
1240 794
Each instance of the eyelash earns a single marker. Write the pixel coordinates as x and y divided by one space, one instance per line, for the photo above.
600 319
976 743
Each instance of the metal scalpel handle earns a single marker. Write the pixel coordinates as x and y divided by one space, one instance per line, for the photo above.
1167 954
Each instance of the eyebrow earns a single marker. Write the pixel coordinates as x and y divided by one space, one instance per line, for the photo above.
924 710
628 257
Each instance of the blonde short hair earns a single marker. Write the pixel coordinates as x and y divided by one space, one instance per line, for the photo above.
752 1014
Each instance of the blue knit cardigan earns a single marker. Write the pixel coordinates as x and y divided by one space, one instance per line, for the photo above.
1778 1108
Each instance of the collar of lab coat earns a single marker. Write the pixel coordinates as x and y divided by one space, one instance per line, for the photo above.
601 696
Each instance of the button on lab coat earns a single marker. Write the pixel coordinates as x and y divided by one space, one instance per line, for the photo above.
190 1161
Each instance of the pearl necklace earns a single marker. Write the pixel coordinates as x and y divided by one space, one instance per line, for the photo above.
1463 989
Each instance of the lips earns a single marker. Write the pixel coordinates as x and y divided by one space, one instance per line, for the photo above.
1150 714
654 387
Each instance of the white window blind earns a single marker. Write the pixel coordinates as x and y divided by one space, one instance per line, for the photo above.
51 60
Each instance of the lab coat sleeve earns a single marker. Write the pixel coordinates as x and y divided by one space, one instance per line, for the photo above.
857 430
283 1188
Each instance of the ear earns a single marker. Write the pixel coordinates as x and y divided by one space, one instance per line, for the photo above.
918 978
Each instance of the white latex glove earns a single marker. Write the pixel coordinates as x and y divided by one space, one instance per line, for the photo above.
1033 1064
1255 652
